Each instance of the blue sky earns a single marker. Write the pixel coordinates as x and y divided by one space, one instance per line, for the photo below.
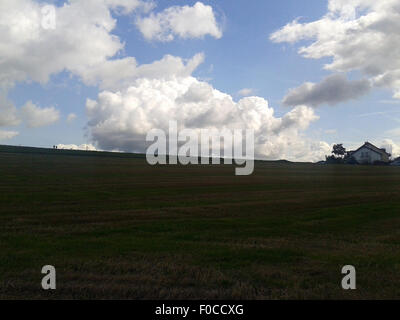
243 57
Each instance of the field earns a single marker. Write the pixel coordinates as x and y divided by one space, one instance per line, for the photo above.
115 227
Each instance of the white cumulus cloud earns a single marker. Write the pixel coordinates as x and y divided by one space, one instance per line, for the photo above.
71 117
392 147
246 92
120 73
120 119
8 112
185 22
5 135
81 43
36 117
86 147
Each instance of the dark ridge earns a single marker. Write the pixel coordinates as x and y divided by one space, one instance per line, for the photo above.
84 153
68 152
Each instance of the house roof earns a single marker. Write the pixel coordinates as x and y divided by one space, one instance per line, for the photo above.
370 146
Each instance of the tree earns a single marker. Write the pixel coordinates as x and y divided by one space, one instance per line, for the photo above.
339 150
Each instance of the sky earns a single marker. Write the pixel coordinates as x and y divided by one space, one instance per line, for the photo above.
100 74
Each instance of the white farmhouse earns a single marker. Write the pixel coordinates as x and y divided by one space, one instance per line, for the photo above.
368 154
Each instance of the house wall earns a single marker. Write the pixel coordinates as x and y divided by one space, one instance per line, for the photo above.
365 155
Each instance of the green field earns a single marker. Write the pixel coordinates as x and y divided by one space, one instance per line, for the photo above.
115 227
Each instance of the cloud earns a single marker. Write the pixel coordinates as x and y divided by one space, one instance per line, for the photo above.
5 135
36 117
330 131
332 90
120 73
127 6
81 43
120 119
361 35
184 22
87 147
246 92
392 147
8 112
71 117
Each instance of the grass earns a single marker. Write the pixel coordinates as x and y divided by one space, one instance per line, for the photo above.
115 227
